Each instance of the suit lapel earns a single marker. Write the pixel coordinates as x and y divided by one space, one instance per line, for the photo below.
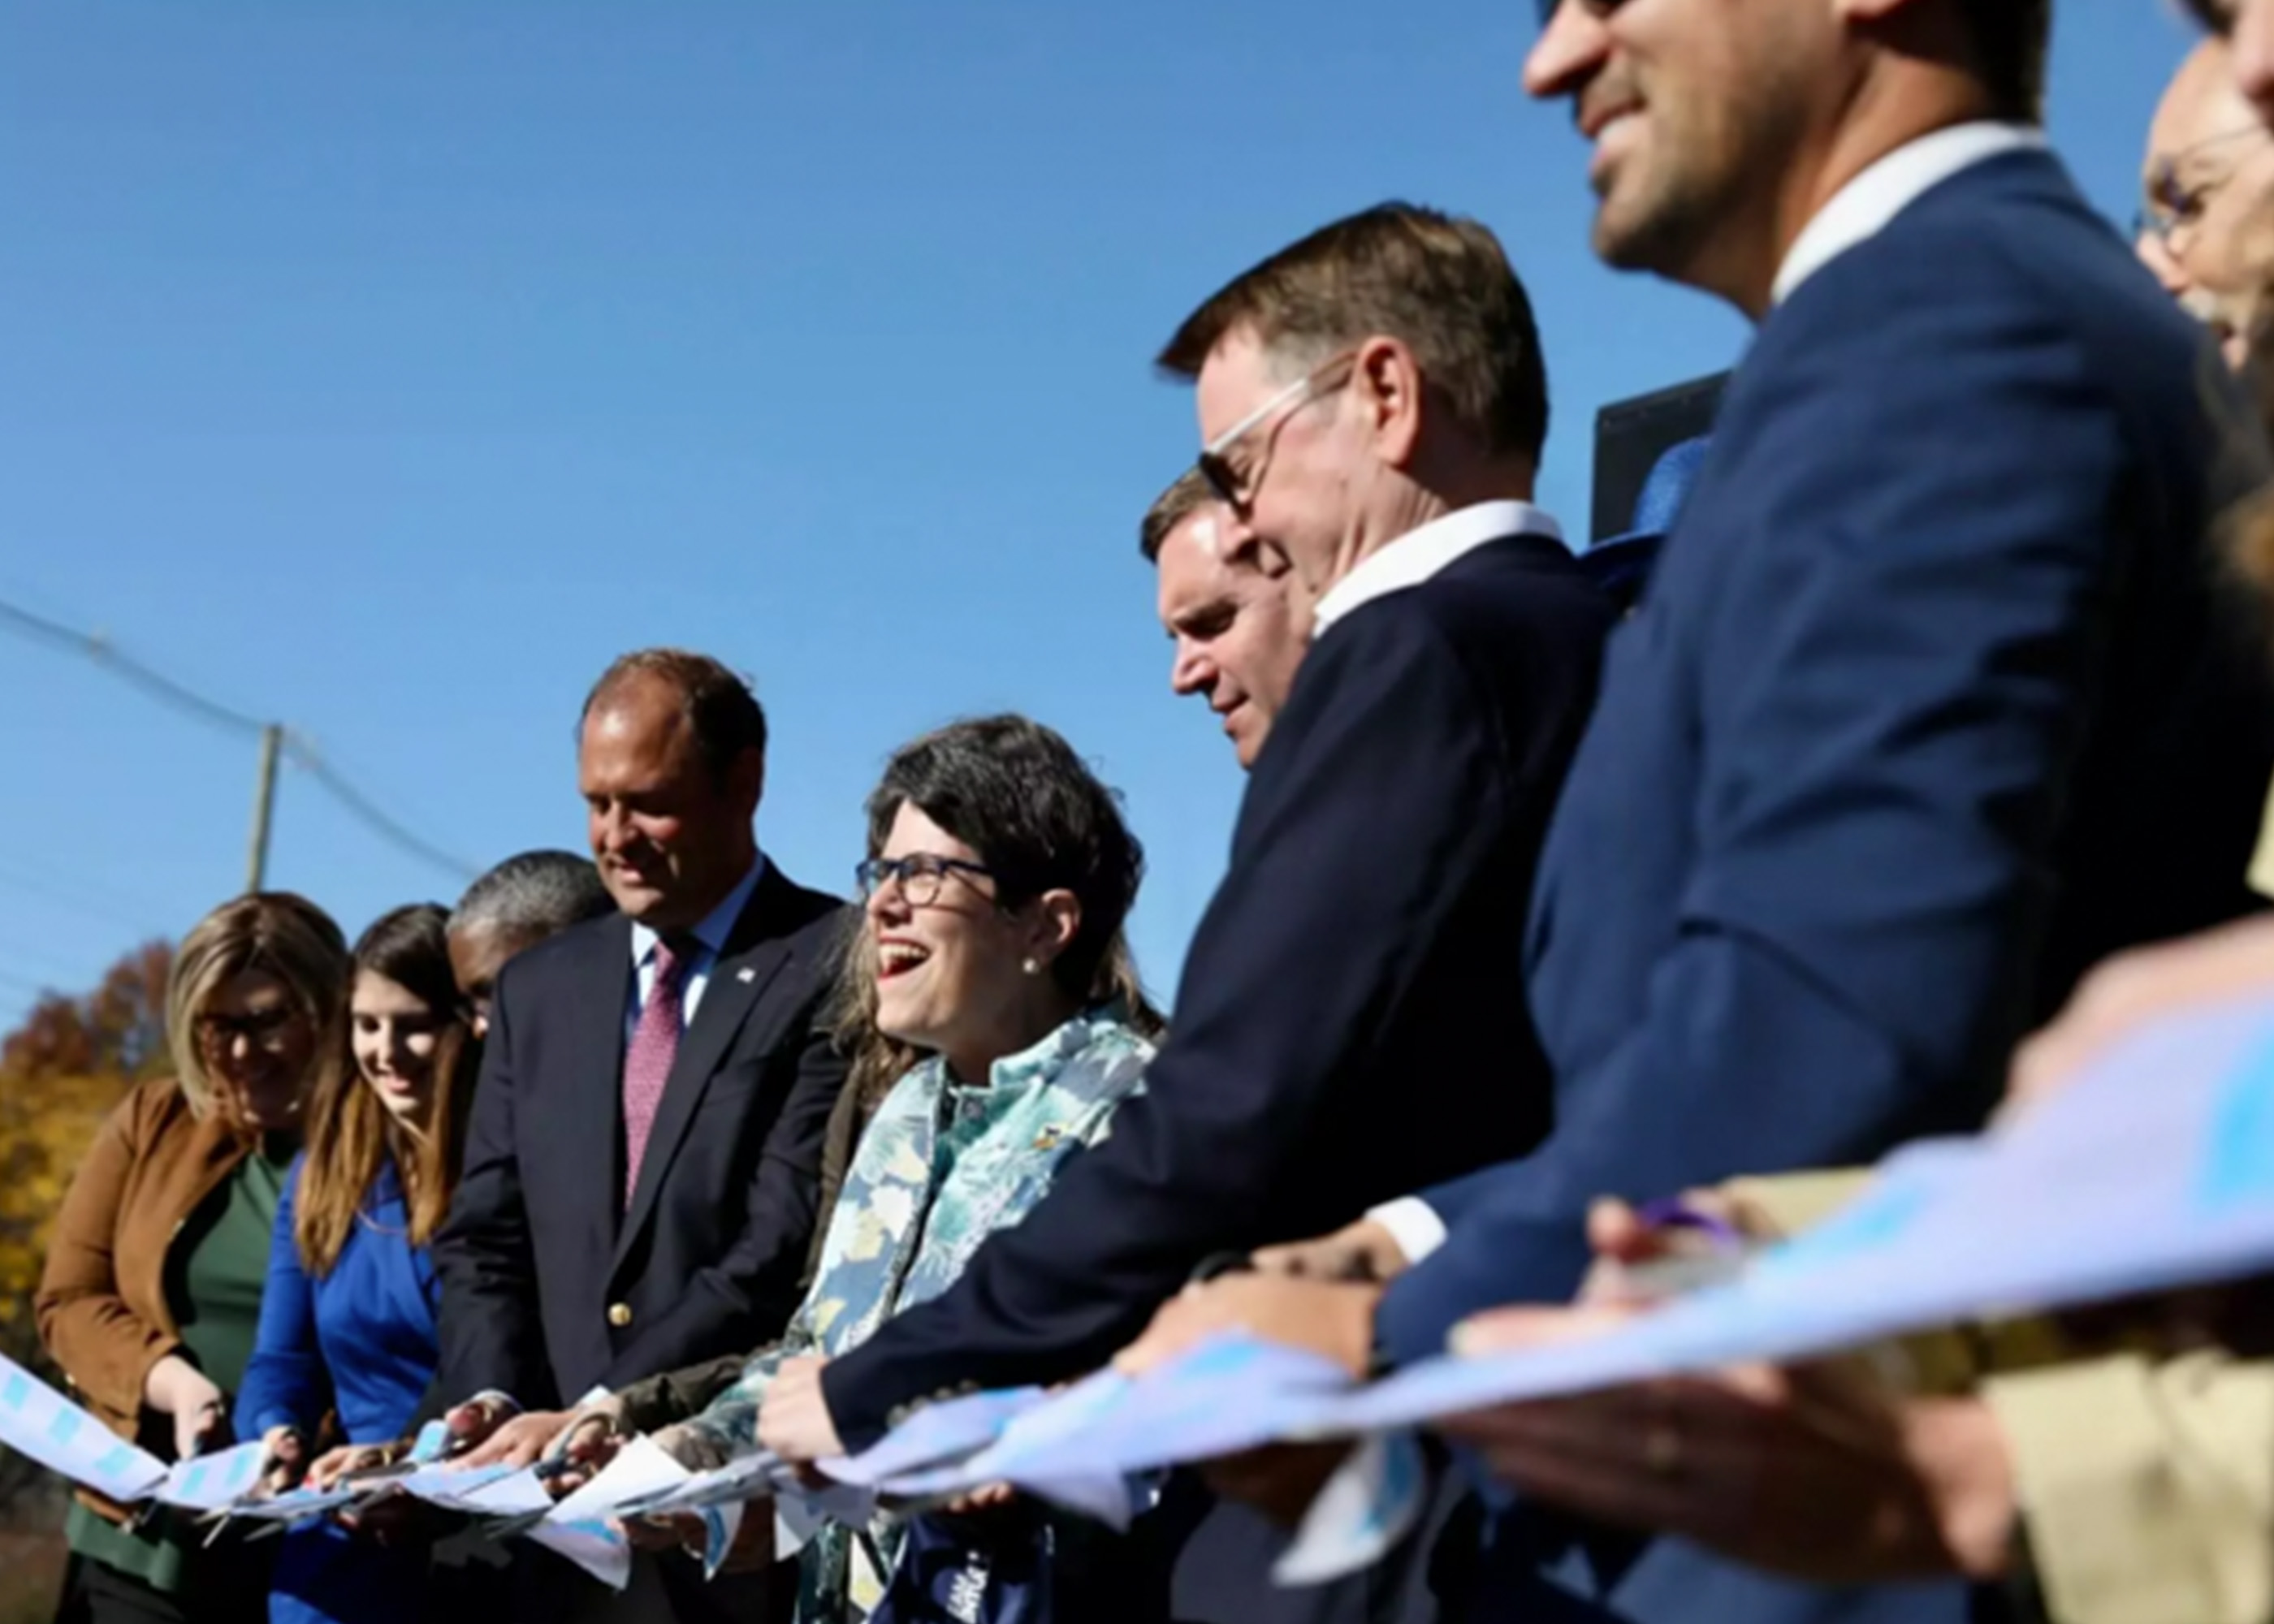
594 1070
738 981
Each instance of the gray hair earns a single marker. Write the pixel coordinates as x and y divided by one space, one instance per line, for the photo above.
537 893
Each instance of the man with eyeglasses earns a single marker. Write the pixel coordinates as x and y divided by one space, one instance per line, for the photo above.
2206 225
1941 593
1350 1021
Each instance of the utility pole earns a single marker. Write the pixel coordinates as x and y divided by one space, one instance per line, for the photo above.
264 800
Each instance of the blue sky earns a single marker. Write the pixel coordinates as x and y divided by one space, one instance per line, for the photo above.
388 367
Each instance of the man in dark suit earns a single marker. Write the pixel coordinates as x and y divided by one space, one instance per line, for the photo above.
1932 702
642 1171
1375 403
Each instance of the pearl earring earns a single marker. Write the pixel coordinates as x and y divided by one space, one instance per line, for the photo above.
1032 968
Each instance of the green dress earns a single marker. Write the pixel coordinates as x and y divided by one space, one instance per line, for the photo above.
216 1268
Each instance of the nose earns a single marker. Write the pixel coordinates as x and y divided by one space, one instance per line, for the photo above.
1192 672
608 831
1570 50
887 903
2157 255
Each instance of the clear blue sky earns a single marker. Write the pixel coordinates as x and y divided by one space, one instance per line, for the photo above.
386 368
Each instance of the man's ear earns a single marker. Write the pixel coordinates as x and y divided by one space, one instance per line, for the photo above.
1390 383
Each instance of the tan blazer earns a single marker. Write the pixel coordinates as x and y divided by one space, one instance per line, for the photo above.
2145 1480
102 1303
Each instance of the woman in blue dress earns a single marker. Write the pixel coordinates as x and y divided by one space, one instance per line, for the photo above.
347 1322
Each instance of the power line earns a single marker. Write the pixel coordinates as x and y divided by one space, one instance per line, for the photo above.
300 750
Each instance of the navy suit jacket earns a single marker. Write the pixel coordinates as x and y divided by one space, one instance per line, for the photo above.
1349 1025
549 1283
1935 698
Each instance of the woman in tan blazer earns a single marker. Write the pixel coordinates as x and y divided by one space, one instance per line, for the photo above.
152 1292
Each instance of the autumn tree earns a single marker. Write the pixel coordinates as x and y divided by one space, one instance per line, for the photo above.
62 1071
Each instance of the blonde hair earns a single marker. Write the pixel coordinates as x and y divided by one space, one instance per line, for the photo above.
275 932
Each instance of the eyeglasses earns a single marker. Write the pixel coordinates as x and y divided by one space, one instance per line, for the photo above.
1593 8
263 1028
2170 205
1234 482
919 876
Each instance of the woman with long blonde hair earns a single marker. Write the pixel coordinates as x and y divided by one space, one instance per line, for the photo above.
348 1325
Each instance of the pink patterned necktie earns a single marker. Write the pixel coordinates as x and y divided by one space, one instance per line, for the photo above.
647 1063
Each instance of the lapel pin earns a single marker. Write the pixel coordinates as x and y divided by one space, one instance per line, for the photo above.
745 975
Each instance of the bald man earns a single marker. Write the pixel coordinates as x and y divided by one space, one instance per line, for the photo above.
1239 619
2206 227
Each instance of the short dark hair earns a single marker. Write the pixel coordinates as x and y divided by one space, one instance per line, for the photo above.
1187 495
721 712
1439 283
2011 38
534 894
1014 792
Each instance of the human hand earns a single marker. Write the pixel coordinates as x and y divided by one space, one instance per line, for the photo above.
1331 1317
1362 1251
335 1464
1816 1471
751 1550
588 1439
518 1443
795 1421
2130 989
470 1424
283 1459
692 1447
178 1388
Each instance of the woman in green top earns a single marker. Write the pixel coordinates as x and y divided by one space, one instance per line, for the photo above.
152 1291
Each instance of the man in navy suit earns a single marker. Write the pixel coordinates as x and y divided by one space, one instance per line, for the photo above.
1932 701
644 1162
1374 401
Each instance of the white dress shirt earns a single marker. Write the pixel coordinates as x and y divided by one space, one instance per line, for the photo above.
711 937
1862 209
1421 554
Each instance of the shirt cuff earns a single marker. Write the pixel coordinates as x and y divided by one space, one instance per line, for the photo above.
1414 1224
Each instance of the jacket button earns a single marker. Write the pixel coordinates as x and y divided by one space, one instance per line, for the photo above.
619 1314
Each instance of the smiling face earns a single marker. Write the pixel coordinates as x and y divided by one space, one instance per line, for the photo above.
671 837
392 1032
1698 113
1240 625
2206 181
952 973
258 1047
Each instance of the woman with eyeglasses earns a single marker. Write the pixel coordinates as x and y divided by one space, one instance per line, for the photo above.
348 1325
152 1292
996 1022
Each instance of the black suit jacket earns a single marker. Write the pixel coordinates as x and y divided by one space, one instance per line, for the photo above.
549 1285
1350 1023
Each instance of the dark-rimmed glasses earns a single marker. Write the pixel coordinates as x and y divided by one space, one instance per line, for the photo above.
2172 205
1593 8
920 876
1230 477
262 1028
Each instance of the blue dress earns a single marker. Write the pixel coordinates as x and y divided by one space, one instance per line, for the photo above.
359 1341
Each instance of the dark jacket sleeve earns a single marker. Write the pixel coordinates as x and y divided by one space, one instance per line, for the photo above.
1896 678
491 1336
758 1281
1378 753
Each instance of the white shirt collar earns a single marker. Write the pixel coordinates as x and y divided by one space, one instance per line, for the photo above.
1863 207
716 925
1421 554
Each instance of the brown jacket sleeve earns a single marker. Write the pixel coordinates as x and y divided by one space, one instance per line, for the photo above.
101 1342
